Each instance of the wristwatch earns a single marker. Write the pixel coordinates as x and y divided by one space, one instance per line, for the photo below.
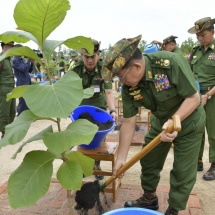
209 97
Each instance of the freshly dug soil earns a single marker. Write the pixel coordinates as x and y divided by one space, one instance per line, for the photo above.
101 125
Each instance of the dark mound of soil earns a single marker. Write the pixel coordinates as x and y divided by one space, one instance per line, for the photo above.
101 125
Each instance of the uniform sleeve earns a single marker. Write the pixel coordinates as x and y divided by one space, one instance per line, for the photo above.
182 77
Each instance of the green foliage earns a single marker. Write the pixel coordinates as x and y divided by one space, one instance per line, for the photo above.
142 45
31 180
187 46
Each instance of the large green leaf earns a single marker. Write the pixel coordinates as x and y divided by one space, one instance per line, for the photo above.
40 17
38 136
17 36
78 132
31 180
21 51
70 175
73 43
86 163
56 100
17 130
88 92
80 42
17 92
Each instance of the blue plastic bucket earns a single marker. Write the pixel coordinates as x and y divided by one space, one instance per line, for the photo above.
150 48
99 115
132 211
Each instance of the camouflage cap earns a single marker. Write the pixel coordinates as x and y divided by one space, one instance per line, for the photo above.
201 25
169 39
96 48
118 55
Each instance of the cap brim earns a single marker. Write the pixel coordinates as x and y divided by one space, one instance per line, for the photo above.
193 30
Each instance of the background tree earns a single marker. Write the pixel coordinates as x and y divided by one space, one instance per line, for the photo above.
187 46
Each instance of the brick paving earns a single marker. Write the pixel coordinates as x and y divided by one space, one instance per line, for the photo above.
54 202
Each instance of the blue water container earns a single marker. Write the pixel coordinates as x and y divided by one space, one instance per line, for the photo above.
150 48
99 115
132 211
198 86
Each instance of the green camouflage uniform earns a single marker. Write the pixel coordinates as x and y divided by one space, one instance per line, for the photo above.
93 79
203 66
168 82
7 109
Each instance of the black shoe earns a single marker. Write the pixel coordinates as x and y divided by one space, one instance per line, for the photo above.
171 211
149 201
210 174
200 166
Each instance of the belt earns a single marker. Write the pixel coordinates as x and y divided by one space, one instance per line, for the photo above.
206 88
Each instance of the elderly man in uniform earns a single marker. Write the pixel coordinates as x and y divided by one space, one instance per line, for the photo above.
202 62
169 44
7 109
89 69
163 83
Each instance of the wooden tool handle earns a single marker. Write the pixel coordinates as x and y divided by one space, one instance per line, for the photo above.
175 126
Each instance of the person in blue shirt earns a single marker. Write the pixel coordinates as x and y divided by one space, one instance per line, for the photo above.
22 68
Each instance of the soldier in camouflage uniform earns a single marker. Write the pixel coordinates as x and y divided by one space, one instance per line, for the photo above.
89 69
7 109
169 44
202 62
163 83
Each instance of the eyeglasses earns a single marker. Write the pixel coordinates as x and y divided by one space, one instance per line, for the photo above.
123 77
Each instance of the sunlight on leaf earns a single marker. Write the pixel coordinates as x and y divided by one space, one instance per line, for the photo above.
70 175
78 132
31 180
17 36
21 51
40 17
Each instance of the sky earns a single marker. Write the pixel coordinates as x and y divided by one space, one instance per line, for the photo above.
111 20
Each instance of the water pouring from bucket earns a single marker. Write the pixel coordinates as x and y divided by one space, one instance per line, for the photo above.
97 116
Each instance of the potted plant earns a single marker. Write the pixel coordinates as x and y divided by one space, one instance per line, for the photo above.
46 102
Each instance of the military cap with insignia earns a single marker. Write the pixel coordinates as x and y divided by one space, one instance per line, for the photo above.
118 56
201 25
96 48
169 39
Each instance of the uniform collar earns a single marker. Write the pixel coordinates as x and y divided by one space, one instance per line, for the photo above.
148 70
96 70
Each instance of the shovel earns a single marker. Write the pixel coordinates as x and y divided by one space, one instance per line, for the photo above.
175 126
89 193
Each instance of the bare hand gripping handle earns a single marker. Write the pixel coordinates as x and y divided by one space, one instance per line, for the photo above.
175 126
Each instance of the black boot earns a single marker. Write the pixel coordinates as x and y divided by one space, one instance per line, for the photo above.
171 211
148 200
210 174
